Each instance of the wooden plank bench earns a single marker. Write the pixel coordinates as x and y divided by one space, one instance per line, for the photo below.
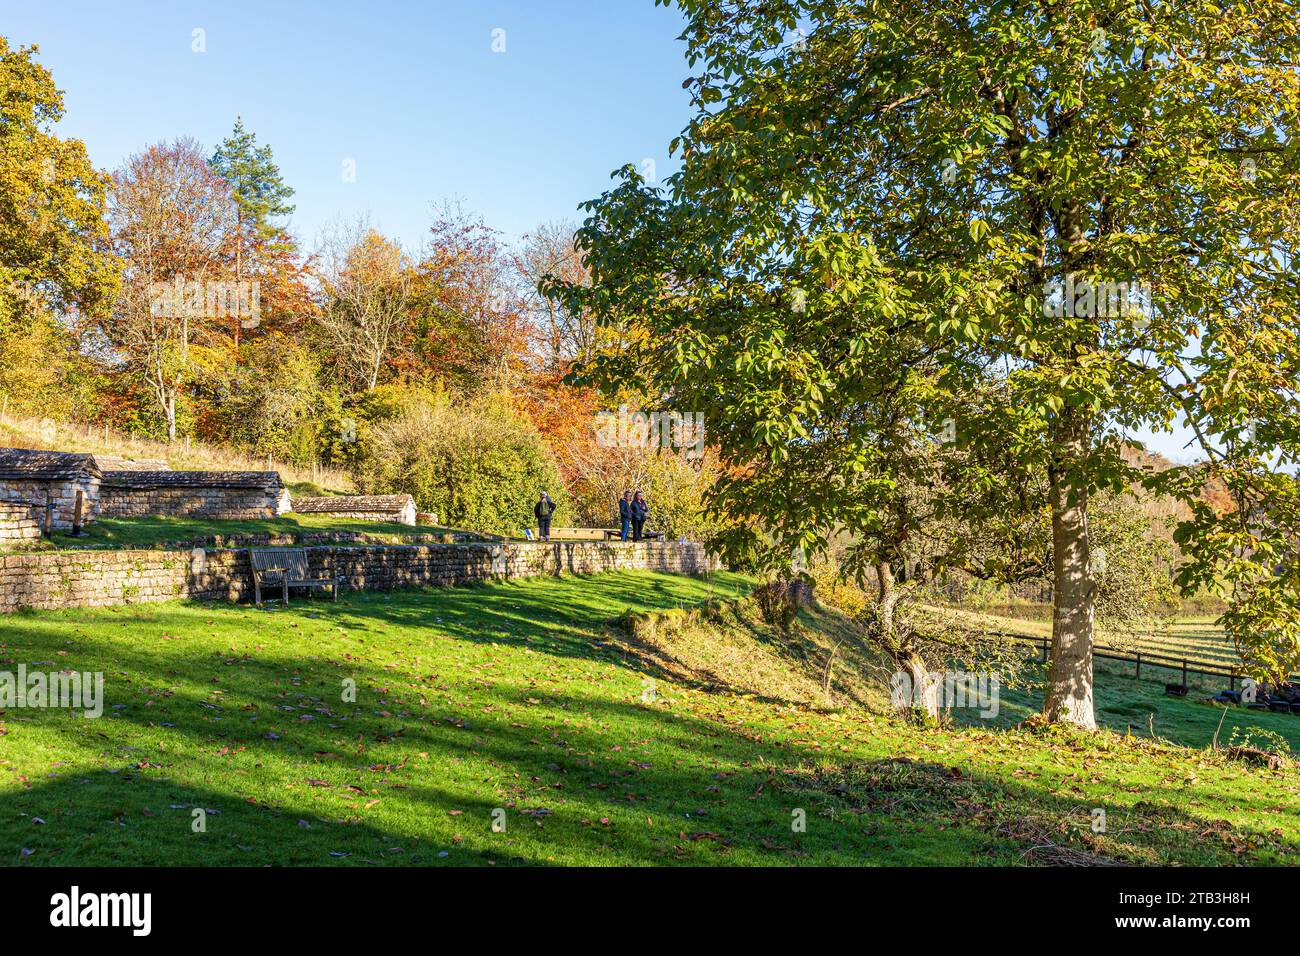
614 533
287 567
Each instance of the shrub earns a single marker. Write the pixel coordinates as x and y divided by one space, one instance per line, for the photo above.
478 465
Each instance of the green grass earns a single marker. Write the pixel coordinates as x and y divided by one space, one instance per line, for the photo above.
604 740
153 531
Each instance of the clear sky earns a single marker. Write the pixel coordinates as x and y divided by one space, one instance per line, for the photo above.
413 94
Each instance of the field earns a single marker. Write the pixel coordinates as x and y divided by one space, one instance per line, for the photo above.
627 719
1196 638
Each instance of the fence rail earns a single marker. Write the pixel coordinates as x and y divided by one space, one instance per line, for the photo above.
1186 665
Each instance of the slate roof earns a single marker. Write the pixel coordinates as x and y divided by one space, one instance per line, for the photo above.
344 504
157 480
25 464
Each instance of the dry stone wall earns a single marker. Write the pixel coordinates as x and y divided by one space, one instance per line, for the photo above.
98 578
234 504
18 522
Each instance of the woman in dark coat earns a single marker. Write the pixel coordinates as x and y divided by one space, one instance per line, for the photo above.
640 509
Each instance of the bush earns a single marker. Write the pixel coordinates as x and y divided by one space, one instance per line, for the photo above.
477 465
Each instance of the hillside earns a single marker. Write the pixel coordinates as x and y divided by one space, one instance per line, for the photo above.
628 718
22 432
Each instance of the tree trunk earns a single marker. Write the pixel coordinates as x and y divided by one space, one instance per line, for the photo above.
925 694
170 409
1069 675
924 691
239 271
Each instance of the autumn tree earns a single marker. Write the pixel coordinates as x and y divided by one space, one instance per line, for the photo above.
549 254
53 237
365 289
470 323
1093 204
55 265
172 219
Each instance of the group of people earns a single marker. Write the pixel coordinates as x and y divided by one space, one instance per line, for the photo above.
633 509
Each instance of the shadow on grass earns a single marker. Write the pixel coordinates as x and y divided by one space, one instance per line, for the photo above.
443 733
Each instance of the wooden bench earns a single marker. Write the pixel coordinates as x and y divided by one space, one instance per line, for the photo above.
287 567
611 533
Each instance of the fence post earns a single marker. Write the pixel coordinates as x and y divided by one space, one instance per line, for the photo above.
1138 674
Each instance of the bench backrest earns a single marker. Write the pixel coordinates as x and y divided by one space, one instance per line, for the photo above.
293 562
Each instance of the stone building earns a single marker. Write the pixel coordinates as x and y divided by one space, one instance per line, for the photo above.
231 495
43 479
396 509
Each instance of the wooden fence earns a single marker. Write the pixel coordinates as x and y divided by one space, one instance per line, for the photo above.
1138 659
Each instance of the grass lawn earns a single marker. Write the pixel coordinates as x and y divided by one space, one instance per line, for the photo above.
528 697
153 531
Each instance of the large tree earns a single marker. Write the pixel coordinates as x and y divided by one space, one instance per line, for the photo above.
53 238
1086 207
172 221
261 196
365 290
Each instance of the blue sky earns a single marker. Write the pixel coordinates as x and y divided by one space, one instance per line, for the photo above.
412 92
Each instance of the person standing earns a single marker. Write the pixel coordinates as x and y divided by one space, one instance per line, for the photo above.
625 513
543 510
640 510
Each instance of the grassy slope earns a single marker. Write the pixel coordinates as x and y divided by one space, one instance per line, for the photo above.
19 432
520 696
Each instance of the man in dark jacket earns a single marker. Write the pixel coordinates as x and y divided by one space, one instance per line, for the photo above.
625 513
543 510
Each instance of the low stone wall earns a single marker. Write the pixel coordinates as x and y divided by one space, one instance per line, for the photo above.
233 504
385 517
18 523
97 578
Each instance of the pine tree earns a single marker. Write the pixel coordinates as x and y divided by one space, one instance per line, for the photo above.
261 194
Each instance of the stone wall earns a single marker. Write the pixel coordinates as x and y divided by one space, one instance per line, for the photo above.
235 504
18 522
62 493
97 578
384 517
